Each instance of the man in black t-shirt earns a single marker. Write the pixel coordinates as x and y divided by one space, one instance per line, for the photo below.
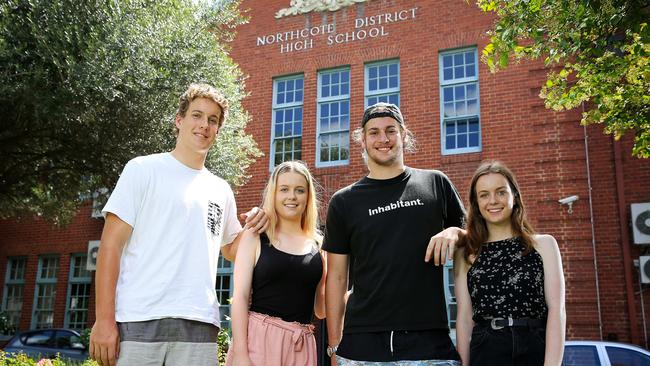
392 224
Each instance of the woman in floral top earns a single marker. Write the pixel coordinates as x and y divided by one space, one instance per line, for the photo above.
509 280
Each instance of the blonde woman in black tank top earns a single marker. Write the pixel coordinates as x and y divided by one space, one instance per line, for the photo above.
284 270
509 280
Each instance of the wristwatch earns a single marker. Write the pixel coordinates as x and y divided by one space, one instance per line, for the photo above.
331 350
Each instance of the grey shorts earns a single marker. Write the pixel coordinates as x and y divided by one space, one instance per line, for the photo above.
168 342
345 362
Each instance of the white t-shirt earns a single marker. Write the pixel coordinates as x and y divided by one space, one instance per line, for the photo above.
180 217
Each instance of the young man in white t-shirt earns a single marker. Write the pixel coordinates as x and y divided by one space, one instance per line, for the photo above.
166 221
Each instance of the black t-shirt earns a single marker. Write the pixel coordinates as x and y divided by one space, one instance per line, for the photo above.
385 227
284 285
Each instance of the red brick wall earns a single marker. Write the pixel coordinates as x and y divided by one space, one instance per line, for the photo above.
32 238
546 150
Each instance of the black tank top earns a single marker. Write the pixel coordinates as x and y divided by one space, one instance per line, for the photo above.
284 285
502 282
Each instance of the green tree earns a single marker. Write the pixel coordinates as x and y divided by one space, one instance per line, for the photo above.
86 85
597 51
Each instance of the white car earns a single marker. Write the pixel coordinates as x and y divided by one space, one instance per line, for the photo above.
597 353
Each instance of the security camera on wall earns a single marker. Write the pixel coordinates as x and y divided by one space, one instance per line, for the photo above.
568 200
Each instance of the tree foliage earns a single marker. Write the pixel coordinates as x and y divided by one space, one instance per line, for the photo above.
86 85
598 51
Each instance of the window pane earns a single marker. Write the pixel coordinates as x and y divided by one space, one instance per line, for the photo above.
469 57
324 110
448 94
473 125
459 92
462 140
469 71
462 126
393 69
451 142
448 74
471 91
473 139
393 82
447 61
459 72
460 108
449 110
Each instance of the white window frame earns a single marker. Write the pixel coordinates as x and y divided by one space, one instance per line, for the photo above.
47 281
225 268
17 281
84 280
281 106
322 100
459 82
381 92
450 296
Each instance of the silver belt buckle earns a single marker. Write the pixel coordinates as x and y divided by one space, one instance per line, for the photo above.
493 323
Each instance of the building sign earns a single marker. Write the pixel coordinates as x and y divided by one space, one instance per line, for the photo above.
307 6
367 27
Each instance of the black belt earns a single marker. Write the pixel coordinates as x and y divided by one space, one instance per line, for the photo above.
500 323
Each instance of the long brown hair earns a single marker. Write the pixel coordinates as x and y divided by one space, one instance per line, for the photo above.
477 232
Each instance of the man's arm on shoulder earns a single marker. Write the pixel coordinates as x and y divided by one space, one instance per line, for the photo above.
104 338
256 219
441 244
335 290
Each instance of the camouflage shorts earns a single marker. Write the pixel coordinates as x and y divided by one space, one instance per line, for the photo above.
340 361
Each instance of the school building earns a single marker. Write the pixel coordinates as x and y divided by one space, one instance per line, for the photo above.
312 67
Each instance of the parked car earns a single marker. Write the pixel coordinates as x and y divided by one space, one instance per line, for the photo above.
597 353
46 343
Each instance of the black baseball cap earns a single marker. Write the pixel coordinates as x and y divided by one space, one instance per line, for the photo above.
382 109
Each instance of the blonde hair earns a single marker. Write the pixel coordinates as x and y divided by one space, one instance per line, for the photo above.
309 221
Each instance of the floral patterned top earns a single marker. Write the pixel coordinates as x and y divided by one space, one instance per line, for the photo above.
502 282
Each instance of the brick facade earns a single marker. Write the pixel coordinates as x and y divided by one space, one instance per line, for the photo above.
551 153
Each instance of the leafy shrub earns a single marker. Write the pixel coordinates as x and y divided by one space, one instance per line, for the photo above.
223 342
23 360
5 325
